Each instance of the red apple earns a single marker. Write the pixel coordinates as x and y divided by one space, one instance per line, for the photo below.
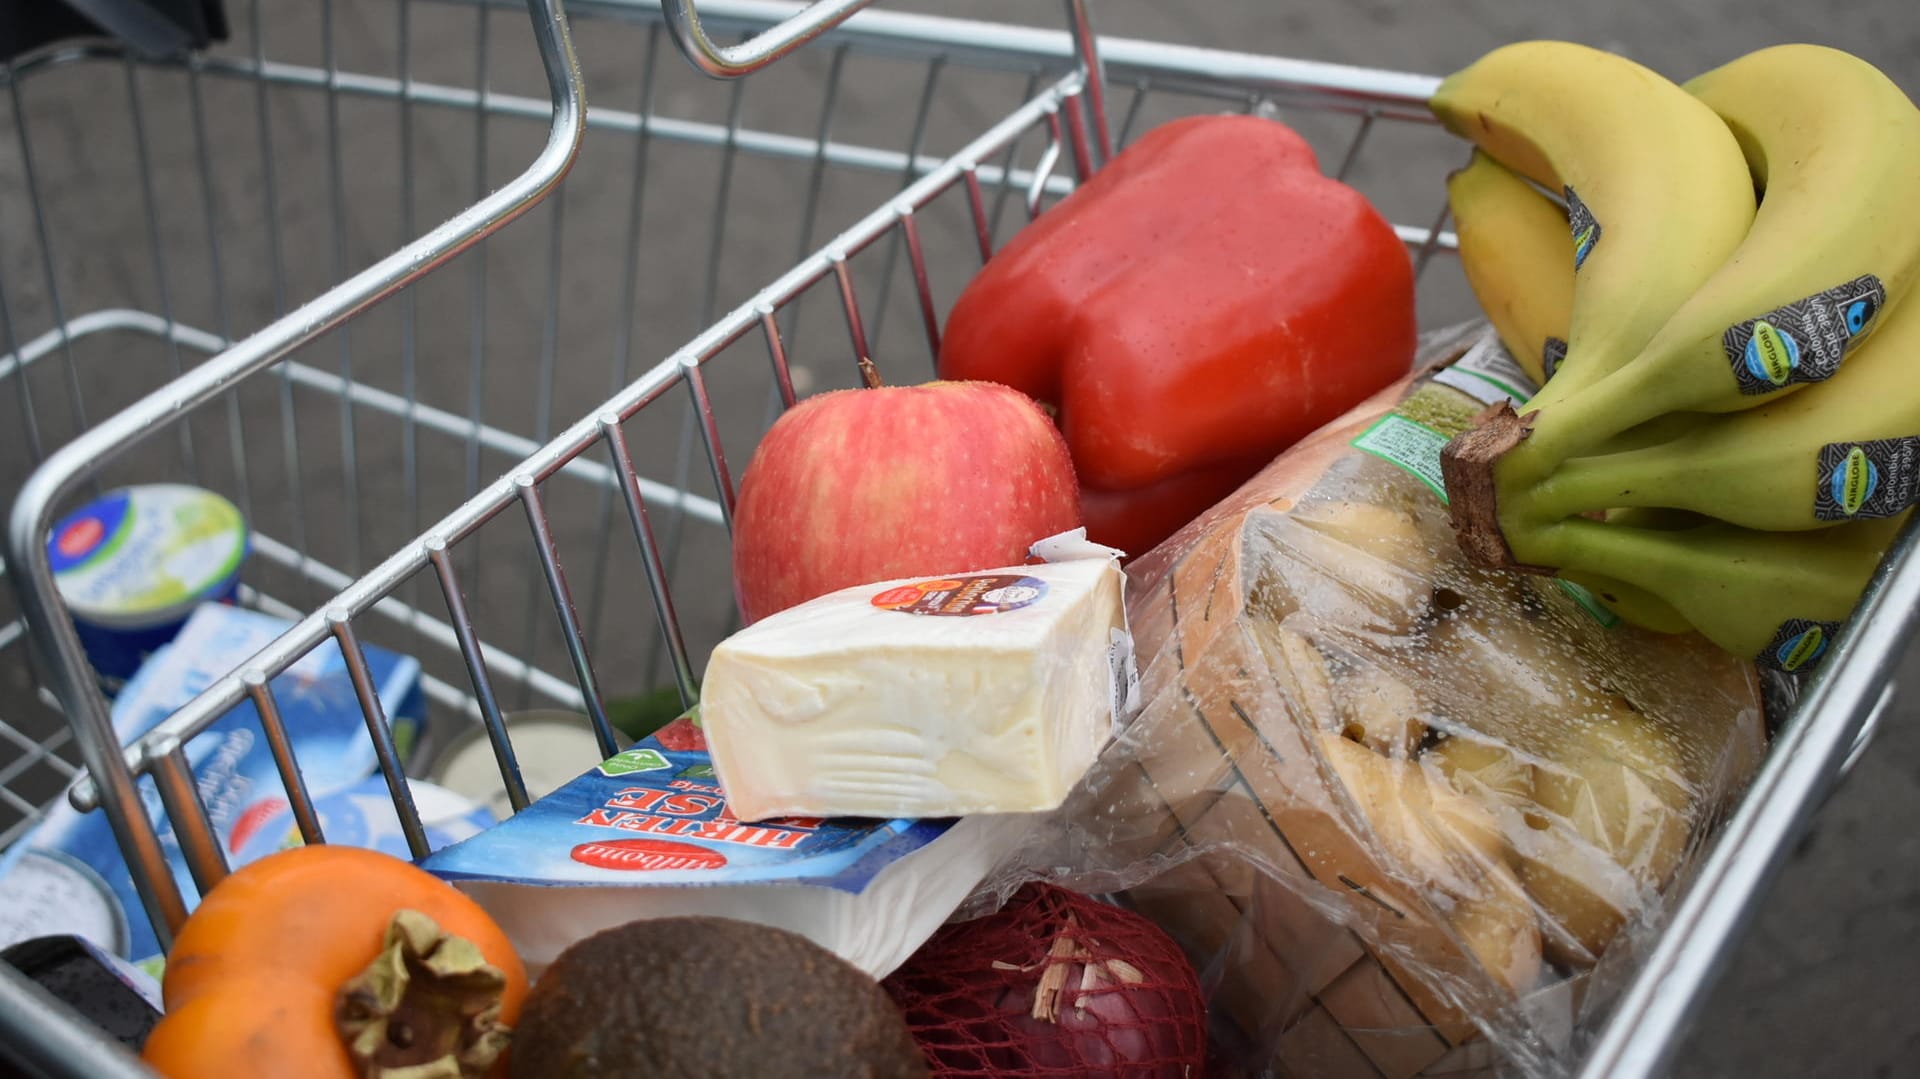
856 486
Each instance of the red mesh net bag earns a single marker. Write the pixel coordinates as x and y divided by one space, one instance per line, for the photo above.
1054 984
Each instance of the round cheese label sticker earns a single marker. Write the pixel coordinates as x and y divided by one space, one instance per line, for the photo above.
987 593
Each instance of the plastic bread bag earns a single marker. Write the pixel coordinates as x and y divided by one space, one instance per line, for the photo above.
1407 816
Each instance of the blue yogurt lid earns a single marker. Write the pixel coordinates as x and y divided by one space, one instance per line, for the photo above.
144 556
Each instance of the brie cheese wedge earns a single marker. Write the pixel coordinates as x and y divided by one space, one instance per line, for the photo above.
982 692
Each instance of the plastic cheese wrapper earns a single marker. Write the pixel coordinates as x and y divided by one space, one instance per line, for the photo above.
649 834
1408 816
988 691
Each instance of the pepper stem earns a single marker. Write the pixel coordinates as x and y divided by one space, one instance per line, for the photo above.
869 374
427 1007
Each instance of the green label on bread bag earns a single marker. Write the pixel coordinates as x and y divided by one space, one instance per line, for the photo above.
1412 446
1797 645
1413 434
1589 603
1803 341
1866 479
1586 231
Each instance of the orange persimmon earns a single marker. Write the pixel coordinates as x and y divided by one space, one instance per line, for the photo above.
263 1024
290 956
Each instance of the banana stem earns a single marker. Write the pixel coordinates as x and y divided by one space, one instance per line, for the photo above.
1581 421
1495 471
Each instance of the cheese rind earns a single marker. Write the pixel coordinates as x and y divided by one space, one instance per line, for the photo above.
984 692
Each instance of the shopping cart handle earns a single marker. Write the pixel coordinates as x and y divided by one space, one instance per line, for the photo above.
733 61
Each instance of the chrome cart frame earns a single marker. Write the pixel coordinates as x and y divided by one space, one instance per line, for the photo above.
660 450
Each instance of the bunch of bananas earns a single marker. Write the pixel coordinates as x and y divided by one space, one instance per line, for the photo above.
1700 455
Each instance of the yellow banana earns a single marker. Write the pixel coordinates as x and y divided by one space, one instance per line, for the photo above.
1637 605
1836 146
1656 187
1778 597
1842 449
1513 248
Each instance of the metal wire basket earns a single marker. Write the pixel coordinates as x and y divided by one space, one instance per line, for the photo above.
490 472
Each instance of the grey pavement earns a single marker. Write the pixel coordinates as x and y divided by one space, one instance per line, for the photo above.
553 315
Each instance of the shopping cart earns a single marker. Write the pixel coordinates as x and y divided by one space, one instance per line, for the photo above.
402 466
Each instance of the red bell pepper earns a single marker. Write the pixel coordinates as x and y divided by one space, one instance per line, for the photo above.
1200 304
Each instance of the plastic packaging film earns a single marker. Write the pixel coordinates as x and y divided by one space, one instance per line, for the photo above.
1407 815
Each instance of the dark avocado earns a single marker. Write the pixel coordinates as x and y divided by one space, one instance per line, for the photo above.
708 998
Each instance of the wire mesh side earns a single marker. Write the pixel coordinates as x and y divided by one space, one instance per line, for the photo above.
769 45
1642 1030
1853 686
898 221
1030 159
272 454
41 1036
523 486
67 469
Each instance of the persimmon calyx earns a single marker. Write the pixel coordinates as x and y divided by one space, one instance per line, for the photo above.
427 1007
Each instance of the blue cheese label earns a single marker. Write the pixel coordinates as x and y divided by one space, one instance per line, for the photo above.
360 816
1878 478
1803 341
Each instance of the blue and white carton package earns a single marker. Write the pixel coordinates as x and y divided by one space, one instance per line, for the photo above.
361 816
647 834
68 874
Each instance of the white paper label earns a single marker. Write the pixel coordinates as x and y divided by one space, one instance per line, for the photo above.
1125 675
1123 671
1072 544
1488 374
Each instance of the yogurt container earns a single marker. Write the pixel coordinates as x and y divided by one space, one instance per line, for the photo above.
135 562
49 891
